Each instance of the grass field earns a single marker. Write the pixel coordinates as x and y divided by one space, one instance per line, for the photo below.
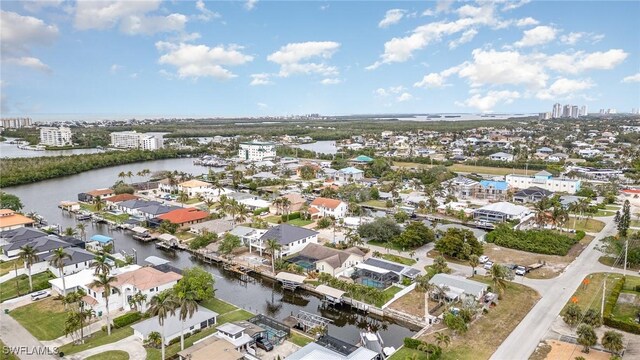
411 165
488 332
406 353
399 259
392 246
235 315
604 213
44 319
219 306
300 339
7 266
110 355
488 170
375 203
586 225
299 222
588 296
98 339
8 289
388 294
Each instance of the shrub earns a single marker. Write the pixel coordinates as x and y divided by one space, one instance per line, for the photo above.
126 319
260 211
412 343
580 235
610 304
434 351
537 241
291 216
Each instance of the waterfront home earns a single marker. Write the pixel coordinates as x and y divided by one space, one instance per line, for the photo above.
241 334
458 287
211 348
328 208
194 187
201 319
327 260
79 260
492 190
99 242
349 174
501 156
144 209
461 187
90 196
381 274
184 216
255 203
113 200
544 180
531 195
75 281
10 220
500 212
217 226
147 280
328 347
42 244
291 238
249 236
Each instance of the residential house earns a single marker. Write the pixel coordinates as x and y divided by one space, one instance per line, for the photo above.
349 174
296 202
500 212
328 347
201 319
113 200
328 260
361 160
217 226
241 334
531 195
458 287
90 196
492 190
557 157
184 216
10 220
291 238
209 348
42 244
99 242
501 156
462 187
249 236
328 208
544 180
194 187
79 260
381 274
144 209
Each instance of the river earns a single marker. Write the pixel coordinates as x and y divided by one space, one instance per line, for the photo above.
321 147
259 296
11 151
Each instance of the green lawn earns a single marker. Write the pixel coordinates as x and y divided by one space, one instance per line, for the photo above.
8 289
98 339
7 266
299 339
392 246
399 259
299 222
43 319
235 315
4 356
588 296
273 219
587 225
110 355
387 295
630 283
115 218
219 306
375 203
193 201
406 353
486 170
604 213
613 207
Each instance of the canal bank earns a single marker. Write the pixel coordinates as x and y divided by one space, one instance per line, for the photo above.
258 295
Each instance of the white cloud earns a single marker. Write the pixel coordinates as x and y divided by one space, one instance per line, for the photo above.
632 78
260 79
432 80
292 57
149 25
573 37
405 96
539 35
465 38
250 4
195 61
330 81
391 17
443 5
205 14
490 100
324 7
503 67
18 34
528 21
510 5
115 68
262 106
392 90
37 5
580 61
564 87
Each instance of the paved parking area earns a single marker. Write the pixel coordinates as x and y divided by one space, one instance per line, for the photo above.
283 350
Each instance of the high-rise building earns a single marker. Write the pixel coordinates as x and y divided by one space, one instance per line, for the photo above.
257 151
635 111
52 136
603 111
557 111
612 111
575 112
583 110
15 123
566 111
136 140
544 116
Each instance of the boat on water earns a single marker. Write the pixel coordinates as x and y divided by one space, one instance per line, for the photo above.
83 216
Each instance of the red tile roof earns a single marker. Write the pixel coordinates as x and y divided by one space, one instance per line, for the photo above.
121 197
184 215
326 202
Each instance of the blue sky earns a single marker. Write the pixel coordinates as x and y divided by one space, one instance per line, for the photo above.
187 58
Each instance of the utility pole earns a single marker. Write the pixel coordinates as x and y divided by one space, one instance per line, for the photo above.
604 291
626 250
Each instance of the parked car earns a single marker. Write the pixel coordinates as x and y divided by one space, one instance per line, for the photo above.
488 265
40 295
483 259
264 344
521 270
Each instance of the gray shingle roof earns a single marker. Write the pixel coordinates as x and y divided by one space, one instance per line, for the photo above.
172 322
286 234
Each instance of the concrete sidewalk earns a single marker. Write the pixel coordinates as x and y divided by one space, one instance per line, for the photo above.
131 345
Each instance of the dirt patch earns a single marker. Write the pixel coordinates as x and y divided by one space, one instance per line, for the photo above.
413 303
626 298
562 351
541 352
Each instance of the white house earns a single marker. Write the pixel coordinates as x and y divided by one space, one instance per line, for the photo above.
147 280
349 174
328 207
501 156
194 187
543 180
256 150
500 212
80 259
201 319
458 287
291 238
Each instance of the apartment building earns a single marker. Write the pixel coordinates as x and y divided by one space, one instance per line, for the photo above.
543 180
135 140
257 151
52 136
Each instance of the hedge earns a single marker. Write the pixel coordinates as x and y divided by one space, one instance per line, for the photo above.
260 211
610 304
580 235
434 351
126 319
291 216
536 241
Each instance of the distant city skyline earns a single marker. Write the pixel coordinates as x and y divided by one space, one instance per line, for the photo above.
145 59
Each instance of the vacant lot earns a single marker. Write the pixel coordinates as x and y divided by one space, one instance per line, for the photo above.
586 225
413 303
399 259
589 293
564 350
489 331
44 319
487 170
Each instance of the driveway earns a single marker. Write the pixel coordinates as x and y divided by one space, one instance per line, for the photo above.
132 345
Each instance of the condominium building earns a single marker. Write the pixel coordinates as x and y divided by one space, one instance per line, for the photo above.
52 136
557 111
135 140
257 151
15 123
544 180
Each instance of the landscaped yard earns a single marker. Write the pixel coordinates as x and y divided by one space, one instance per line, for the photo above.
8 289
4 356
44 319
399 259
604 213
97 339
406 353
110 355
7 266
586 225
299 222
299 339
235 315
392 246
488 332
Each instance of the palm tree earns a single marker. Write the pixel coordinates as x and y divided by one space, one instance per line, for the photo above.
137 300
129 174
442 338
278 205
104 281
541 211
423 286
122 175
101 264
69 231
162 305
188 306
99 203
222 205
273 246
242 213
183 197
612 341
232 209
498 274
208 203
57 260
286 205
586 337
29 257
474 261
83 230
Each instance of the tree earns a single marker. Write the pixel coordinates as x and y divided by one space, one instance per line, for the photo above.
423 286
273 246
499 275
572 315
162 305
183 197
82 228
29 257
612 341
307 172
455 323
9 201
242 213
137 300
167 226
442 338
208 203
592 317
440 265
198 281
203 240
104 282
101 264
625 219
380 230
154 339
185 298
414 235
586 337
459 243
229 244
69 231
99 204
57 261
541 211
474 261
401 217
